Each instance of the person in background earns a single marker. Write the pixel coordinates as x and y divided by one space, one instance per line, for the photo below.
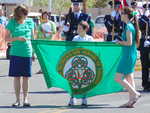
66 23
134 7
82 36
3 19
20 30
125 70
3 23
47 28
91 25
144 48
61 29
74 18
113 22
40 10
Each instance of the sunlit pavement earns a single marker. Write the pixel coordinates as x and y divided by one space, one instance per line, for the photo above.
55 100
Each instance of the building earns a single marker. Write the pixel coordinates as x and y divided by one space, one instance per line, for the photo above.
9 5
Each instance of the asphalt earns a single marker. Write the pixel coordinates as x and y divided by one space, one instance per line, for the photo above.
55 100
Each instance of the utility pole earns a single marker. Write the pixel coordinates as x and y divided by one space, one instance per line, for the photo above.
50 5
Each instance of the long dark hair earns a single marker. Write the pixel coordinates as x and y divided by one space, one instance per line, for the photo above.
133 18
20 11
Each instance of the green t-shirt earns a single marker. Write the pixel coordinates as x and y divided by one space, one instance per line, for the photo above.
20 48
53 31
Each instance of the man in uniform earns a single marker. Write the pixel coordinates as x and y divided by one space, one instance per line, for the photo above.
114 20
75 17
145 48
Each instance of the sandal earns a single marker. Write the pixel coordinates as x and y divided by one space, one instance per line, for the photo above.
126 105
16 104
131 103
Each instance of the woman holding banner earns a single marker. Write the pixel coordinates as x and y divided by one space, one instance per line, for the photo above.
20 29
127 62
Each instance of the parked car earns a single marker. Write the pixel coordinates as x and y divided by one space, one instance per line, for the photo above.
100 30
56 18
99 21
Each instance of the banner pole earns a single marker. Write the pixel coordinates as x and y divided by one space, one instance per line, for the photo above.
146 37
113 27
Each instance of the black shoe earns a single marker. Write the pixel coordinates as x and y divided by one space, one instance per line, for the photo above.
17 104
146 90
26 105
39 72
84 105
84 102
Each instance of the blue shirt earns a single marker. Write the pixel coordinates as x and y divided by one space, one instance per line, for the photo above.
86 38
3 20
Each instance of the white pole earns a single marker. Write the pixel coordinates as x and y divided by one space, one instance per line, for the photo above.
50 5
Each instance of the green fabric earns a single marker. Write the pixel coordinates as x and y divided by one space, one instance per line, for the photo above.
134 13
41 35
19 48
89 67
129 53
92 24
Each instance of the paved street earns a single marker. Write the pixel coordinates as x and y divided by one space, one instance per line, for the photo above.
55 100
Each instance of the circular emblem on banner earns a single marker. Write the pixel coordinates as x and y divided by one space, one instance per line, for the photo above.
82 68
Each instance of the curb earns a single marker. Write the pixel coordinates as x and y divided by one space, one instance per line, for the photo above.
2 54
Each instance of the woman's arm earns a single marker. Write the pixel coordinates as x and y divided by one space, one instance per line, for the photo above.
129 39
34 35
9 39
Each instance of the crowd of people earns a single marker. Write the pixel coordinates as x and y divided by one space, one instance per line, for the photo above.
123 26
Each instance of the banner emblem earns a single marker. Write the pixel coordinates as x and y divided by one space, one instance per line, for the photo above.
82 68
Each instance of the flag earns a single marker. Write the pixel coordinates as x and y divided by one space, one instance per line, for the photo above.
80 68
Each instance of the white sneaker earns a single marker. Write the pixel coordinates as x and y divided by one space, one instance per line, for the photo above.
115 41
72 101
146 43
84 102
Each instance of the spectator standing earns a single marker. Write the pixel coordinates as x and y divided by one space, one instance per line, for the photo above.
47 28
144 48
3 19
19 32
113 22
74 18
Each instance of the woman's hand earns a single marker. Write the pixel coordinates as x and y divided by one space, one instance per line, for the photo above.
119 42
22 39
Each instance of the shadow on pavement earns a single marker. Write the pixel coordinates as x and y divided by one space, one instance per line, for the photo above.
5 107
3 75
3 59
48 92
92 106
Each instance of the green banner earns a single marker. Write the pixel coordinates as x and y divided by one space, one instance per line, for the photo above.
80 68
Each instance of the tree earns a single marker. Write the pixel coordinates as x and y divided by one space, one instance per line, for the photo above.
90 3
100 3
61 5
40 3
